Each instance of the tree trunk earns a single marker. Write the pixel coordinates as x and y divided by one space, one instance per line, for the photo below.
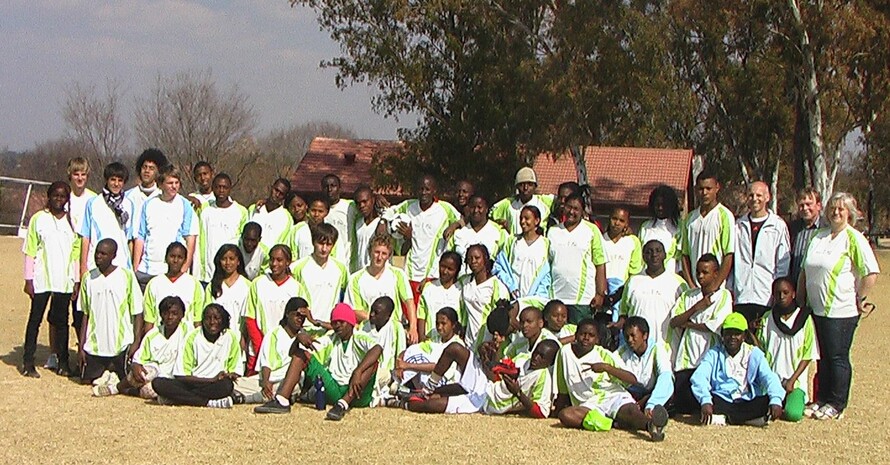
580 163
774 185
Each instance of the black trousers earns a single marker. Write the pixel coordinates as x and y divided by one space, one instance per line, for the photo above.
741 411
58 318
684 400
180 392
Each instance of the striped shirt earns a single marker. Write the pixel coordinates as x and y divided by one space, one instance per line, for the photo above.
801 234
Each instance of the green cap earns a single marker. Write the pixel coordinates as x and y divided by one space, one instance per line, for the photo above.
735 321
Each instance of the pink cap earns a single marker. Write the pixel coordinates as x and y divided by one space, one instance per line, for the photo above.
343 312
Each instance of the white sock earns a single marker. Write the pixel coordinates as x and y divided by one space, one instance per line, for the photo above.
282 400
342 403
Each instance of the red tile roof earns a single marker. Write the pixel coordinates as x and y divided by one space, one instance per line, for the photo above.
326 156
619 175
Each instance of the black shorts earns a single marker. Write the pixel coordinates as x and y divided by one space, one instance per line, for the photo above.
96 365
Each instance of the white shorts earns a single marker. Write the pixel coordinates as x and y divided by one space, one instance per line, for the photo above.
467 403
609 405
473 381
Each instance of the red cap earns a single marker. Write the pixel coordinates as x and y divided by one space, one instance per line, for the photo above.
343 312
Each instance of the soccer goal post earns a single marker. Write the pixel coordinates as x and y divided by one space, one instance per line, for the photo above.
18 201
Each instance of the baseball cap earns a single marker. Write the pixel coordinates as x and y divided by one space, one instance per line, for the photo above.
526 174
735 321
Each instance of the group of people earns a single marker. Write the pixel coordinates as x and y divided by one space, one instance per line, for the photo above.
524 306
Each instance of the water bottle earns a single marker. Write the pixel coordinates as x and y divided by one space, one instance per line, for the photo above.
319 394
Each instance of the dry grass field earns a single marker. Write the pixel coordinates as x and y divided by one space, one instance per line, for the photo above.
53 420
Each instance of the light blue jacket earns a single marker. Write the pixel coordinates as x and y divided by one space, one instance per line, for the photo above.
711 378
504 271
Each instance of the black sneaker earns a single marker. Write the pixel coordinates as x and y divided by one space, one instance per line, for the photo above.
759 422
658 423
64 370
237 398
336 413
29 371
272 407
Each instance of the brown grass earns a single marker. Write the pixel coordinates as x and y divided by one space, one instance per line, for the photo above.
54 420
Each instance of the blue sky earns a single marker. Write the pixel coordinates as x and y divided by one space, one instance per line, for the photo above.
270 50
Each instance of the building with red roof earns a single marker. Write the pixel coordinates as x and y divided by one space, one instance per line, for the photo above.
350 159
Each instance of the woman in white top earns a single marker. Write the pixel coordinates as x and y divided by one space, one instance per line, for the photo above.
230 287
527 255
839 269
664 224
481 292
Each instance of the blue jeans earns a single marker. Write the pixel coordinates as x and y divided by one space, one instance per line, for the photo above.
835 372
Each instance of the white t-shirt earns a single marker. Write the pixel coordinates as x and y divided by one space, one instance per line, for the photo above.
256 263
204 359
138 198
527 260
77 206
434 297
342 359
537 386
55 248
267 299
275 353
323 285
574 256
109 304
784 352
276 224
625 257
427 243
520 351
364 289
575 378
161 223
300 241
343 216
218 226
713 233
490 235
391 338
363 234
186 287
478 300
833 267
510 208
100 222
161 352
233 299
655 361
668 234
692 343
653 299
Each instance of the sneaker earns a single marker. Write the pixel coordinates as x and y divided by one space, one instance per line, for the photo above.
102 391
29 371
113 378
718 420
272 407
828 412
225 402
104 379
810 410
658 423
336 413
63 370
237 398
759 422
163 401
52 362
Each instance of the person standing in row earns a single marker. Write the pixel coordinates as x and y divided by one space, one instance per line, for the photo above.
664 225
342 215
148 165
366 227
809 220
275 221
507 211
708 229
221 222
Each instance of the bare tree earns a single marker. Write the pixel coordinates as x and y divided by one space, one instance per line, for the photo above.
94 121
287 146
189 118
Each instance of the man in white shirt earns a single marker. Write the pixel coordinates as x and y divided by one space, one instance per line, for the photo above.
342 215
149 163
761 256
506 211
708 229
366 227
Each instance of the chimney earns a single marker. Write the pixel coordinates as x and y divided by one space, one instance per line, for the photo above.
349 157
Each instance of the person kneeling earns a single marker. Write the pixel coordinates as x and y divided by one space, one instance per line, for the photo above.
594 380
734 384
346 363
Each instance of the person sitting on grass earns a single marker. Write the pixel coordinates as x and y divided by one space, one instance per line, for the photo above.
156 356
532 332
479 389
346 363
788 339
414 366
390 336
591 384
556 317
650 362
111 302
274 357
734 384
207 366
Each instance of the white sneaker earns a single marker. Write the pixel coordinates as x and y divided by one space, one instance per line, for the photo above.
810 410
52 362
102 391
103 380
718 420
225 402
113 379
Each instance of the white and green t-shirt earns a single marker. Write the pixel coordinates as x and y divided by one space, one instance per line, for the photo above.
257 262
509 209
275 353
653 299
162 222
391 338
668 234
625 257
478 300
276 224
574 256
77 206
324 286
692 344
784 352
364 289
342 358
343 216
267 299
537 385
655 361
233 299
363 234
218 226
159 351
186 287
520 351
55 248
833 266
427 243
575 378
109 304
434 297
300 241
713 233
527 260
204 359
490 235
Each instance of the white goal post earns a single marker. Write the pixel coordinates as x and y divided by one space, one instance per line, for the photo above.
26 185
